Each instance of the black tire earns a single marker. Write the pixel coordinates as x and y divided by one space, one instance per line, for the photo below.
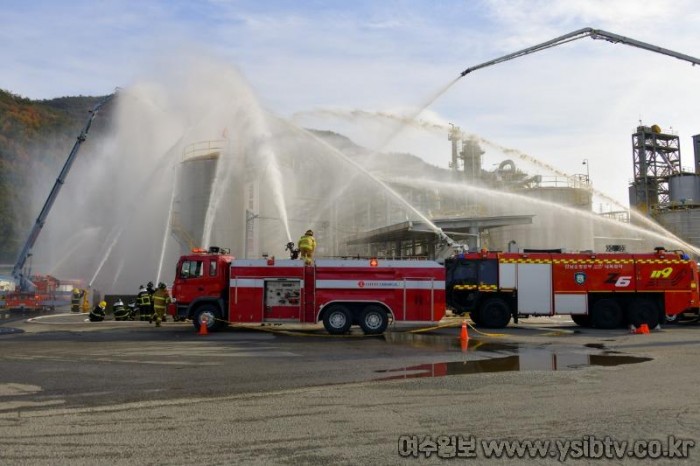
494 313
337 319
582 320
643 311
461 300
374 320
606 314
211 313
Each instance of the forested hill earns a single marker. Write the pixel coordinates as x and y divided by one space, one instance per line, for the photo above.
34 134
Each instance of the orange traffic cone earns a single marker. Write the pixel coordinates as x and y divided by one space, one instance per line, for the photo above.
645 329
203 330
464 336
464 344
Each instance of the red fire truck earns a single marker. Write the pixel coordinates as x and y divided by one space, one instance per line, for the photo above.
214 287
603 290
44 296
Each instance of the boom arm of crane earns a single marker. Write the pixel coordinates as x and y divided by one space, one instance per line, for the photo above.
579 34
17 273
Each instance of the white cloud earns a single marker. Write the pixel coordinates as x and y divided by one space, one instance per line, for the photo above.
579 100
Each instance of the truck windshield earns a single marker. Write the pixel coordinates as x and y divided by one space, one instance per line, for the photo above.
191 269
462 271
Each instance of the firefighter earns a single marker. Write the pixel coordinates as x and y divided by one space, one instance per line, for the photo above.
121 312
76 299
307 246
143 301
151 290
161 299
85 302
98 314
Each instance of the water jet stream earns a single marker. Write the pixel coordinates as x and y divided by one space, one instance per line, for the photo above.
381 184
77 240
413 116
167 225
461 188
224 171
436 127
106 256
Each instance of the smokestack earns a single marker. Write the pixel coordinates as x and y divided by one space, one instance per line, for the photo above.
696 148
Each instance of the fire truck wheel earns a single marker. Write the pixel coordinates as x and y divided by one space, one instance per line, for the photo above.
337 319
643 311
581 320
494 313
607 314
374 320
209 312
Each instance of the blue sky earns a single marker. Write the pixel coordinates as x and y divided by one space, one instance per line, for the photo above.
577 101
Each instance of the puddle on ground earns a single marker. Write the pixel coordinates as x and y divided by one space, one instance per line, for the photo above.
445 343
546 361
602 347
515 358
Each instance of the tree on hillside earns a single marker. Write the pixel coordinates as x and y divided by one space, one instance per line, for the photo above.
33 133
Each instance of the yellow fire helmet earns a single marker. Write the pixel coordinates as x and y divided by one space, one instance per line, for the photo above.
103 303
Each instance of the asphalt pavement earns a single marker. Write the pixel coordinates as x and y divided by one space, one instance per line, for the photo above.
77 392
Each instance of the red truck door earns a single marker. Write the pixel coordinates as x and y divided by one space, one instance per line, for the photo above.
199 276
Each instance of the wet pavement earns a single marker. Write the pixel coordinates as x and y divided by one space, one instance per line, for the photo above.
495 356
77 392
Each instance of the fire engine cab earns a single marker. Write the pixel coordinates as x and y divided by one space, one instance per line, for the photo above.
214 288
601 290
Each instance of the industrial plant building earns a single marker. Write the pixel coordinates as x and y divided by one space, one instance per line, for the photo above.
394 208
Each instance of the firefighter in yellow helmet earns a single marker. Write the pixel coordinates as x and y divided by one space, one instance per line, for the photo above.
76 299
161 299
98 314
307 246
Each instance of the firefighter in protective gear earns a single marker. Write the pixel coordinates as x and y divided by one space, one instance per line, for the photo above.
75 299
143 301
307 246
98 313
121 312
151 290
161 299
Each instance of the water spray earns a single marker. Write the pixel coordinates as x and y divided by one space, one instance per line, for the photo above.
441 128
441 234
106 256
540 202
167 227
